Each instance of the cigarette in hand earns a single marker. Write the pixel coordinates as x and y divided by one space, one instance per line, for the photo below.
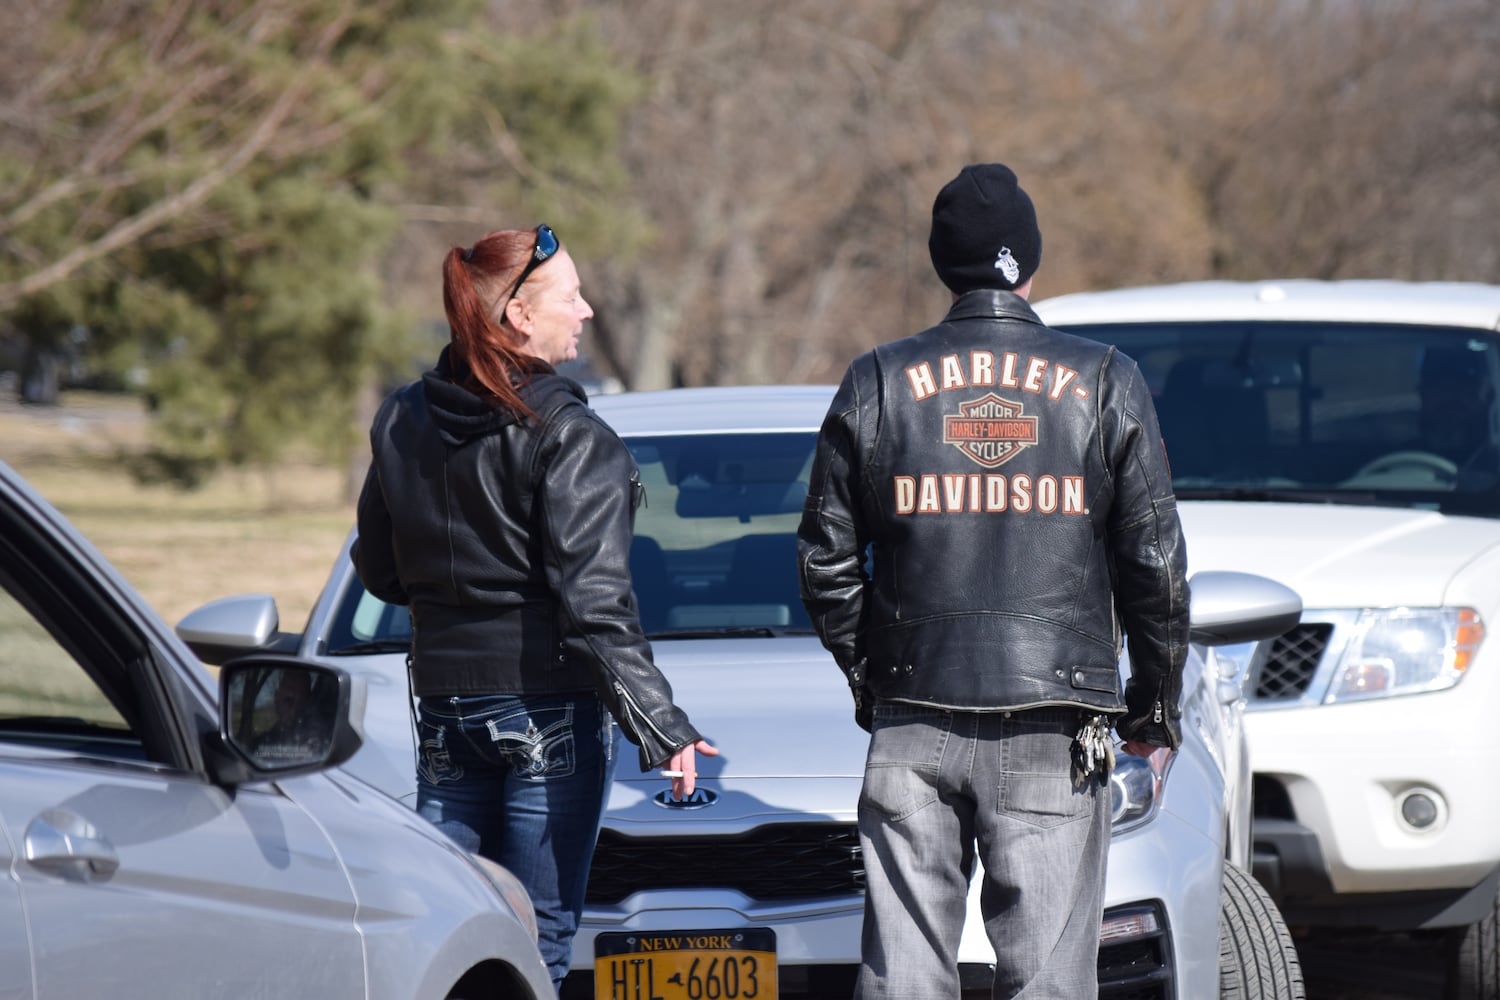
677 774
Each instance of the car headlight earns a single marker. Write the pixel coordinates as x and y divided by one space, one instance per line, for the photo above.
1397 651
1135 787
510 889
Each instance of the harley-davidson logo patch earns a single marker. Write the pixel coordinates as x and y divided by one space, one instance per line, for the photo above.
989 430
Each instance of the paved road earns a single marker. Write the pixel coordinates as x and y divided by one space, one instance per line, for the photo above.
1344 965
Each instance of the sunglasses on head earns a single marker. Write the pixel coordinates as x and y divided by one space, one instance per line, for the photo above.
545 246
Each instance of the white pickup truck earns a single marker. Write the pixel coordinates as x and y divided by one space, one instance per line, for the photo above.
1344 438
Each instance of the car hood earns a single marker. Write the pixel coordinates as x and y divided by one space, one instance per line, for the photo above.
775 707
1334 555
781 715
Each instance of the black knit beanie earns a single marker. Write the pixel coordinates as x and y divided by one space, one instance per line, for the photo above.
984 232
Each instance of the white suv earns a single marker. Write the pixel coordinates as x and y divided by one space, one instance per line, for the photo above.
1344 438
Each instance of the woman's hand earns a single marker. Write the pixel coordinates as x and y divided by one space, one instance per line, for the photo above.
683 767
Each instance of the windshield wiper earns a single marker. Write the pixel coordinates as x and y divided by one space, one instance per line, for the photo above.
1260 493
372 647
727 632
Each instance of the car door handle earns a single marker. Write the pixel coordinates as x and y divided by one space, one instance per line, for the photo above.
66 843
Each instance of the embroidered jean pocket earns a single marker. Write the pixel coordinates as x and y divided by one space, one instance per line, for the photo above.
433 760
538 744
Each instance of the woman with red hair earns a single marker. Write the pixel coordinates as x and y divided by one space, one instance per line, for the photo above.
499 509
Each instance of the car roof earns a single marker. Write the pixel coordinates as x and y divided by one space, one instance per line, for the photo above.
716 409
1437 303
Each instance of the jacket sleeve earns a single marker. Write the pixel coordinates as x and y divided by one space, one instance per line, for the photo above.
585 498
1149 560
832 536
373 552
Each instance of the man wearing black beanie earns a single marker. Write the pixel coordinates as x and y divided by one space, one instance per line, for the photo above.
1011 485
984 232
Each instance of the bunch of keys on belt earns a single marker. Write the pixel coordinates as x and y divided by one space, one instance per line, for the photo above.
1093 748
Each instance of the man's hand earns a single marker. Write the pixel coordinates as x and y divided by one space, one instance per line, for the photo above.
683 768
1137 748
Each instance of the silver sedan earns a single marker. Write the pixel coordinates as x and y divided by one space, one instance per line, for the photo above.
162 840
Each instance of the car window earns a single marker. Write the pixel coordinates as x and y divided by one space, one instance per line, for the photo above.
1379 413
39 678
47 696
716 539
714 551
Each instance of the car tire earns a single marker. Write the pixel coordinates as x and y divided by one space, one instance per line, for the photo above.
1474 959
1257 957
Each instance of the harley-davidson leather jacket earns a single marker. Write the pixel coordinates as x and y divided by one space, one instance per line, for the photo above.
1009 484
509 541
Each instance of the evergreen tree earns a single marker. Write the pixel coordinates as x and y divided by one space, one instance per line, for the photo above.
209 186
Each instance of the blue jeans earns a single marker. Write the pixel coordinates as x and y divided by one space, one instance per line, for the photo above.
937 786
522 780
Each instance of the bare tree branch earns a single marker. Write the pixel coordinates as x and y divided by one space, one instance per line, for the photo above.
131 229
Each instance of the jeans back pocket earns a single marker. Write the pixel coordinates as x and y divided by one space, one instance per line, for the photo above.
537 744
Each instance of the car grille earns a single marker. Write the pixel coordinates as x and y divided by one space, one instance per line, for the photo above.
1290 662
782 861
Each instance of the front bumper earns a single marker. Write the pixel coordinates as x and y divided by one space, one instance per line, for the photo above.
818 956
1377 806
1165 875
1288 862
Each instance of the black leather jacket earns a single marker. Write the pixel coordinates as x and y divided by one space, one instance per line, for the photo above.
1013 487
510 544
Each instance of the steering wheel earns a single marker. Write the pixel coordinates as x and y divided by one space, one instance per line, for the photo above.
1440 467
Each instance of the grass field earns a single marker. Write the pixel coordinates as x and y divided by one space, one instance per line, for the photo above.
240 534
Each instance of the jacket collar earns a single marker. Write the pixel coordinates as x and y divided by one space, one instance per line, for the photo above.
460 415
992 303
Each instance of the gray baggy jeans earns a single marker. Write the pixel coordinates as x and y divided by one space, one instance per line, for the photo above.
937 785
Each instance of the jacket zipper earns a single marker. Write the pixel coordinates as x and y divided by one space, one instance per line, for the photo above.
1156 714
639 719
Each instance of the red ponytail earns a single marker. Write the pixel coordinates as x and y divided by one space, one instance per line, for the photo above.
473 281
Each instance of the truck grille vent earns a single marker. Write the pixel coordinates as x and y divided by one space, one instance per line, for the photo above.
1291 661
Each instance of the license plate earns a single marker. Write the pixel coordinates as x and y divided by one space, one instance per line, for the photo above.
734 964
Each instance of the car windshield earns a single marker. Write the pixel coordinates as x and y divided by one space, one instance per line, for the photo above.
1383 414
714 552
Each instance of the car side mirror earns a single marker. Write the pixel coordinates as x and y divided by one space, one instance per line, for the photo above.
281 716
234 626
1229 607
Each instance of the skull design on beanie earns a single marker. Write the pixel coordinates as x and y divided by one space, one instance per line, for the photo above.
984 231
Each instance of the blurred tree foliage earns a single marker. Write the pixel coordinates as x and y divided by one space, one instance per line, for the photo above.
789 155
209 188
249 199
